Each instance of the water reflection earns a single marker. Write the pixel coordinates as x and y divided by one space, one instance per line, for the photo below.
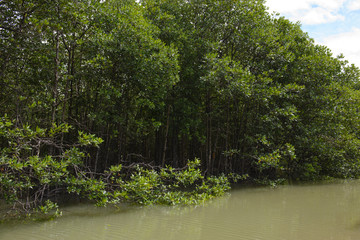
300 212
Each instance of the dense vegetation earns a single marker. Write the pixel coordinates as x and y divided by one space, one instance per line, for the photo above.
98 96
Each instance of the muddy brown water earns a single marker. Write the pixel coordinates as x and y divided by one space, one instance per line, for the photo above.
328 211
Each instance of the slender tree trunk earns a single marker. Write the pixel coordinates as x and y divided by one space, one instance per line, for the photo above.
166 136
96 159
244 123
209 135
175 147
56 73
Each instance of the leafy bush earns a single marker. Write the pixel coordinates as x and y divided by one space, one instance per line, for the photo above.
169 186
36 165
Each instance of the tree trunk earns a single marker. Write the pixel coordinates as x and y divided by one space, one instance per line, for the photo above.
56 80
166 136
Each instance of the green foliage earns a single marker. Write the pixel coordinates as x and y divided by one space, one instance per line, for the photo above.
89 139
29 174
48 206
168 186
35 163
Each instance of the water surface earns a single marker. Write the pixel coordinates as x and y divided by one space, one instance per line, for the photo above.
301 212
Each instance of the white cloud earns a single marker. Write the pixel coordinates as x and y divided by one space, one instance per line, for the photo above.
286 6
317 15
346 43
353 5
335 12
309 11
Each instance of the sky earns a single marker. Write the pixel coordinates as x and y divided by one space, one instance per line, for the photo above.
333 23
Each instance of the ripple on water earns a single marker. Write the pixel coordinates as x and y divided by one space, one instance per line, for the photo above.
305 212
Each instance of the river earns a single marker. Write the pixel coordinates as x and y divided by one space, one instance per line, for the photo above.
328 211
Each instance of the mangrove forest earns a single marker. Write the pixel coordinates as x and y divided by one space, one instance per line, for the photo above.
165 102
